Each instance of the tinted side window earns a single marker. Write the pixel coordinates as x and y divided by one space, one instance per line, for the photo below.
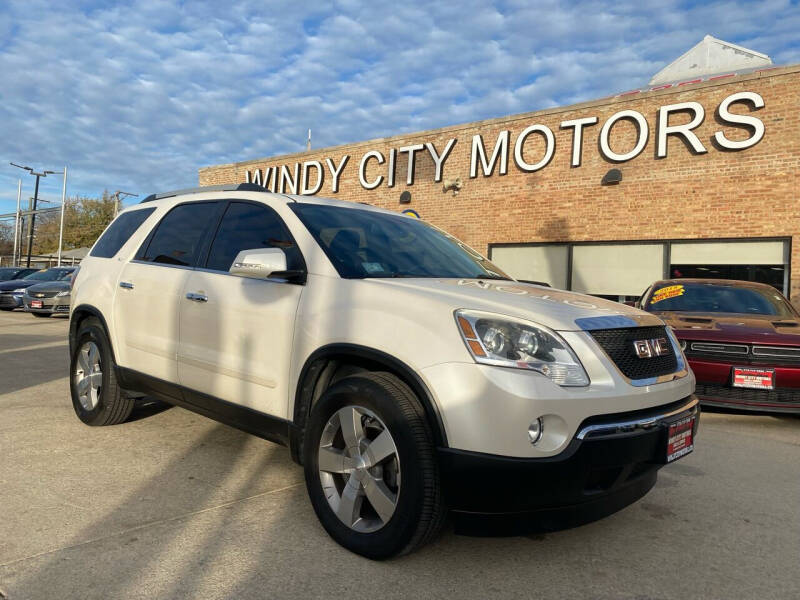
119 232
247 226
179 235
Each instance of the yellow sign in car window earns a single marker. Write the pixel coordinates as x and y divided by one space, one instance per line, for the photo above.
671 291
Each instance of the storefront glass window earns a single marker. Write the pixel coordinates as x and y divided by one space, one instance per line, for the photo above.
769 274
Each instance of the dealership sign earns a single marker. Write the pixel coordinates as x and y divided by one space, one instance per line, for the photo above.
307 177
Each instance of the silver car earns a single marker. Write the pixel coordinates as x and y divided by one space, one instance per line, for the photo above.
47 298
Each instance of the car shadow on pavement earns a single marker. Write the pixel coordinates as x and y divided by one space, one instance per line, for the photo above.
147 526
751 413
49 364
12 341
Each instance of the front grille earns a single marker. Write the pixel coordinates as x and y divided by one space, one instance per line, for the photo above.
743 354
715 348
37 295
780 351
737 394
62 308
618 344
7 300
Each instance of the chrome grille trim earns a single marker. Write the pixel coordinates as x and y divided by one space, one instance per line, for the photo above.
643 424
720 348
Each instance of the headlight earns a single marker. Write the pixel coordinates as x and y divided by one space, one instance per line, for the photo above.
508 342
62 294
19 291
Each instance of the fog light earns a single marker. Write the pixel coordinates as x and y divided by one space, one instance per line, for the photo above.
535 430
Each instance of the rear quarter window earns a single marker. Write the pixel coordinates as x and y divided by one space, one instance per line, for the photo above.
119 232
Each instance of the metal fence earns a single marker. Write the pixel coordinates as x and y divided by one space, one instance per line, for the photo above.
41 262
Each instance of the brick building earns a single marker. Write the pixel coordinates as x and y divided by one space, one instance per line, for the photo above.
691 178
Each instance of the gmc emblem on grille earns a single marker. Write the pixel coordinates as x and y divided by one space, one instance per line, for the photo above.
651 348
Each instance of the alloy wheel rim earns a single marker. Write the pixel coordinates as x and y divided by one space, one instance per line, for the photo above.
359 469
88 376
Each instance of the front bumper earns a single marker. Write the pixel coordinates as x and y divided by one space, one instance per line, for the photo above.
610 462
714 387
10 301
49 305
488 409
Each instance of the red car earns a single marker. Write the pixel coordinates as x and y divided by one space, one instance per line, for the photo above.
742 340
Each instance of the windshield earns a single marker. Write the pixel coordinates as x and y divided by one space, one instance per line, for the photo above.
8 274
710 298
49 275
363 243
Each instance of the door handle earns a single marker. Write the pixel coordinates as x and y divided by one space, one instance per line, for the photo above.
195 297
126 284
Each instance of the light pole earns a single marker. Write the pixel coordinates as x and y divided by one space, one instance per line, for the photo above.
32 220
116 195
17 223
63 208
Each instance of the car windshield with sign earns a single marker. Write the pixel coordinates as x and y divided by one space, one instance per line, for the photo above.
741 338
718 298
365 243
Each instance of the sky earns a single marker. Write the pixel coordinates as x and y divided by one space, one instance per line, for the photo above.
136 96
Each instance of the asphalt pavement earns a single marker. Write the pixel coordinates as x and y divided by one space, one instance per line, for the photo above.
173 505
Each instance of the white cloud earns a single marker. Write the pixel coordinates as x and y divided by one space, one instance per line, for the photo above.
137 96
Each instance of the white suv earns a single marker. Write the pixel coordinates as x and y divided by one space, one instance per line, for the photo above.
405 372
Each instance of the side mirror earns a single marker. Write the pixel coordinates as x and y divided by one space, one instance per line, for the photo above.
259 263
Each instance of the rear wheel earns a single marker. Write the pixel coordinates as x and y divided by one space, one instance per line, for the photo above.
96 395
370 467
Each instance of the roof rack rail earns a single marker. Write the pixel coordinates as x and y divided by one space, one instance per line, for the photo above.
225 187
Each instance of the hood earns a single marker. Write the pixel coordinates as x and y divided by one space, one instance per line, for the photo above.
556 309
49 286
728 327
15 284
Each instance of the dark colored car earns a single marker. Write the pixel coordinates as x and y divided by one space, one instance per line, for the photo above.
47 298
10 273
742 340
11 291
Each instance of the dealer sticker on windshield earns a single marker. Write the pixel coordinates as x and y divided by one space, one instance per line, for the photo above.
757 379
665 293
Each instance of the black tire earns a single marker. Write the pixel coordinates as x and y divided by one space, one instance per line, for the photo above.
419 511
40 315
6 308
113 406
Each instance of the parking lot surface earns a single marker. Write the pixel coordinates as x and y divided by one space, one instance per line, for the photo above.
173 505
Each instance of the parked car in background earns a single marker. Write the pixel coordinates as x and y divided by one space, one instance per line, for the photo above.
742 340
48 298
11 291
10 273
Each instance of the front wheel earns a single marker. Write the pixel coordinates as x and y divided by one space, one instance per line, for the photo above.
370 467
96 395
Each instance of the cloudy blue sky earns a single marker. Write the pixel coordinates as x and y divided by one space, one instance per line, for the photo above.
137 95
